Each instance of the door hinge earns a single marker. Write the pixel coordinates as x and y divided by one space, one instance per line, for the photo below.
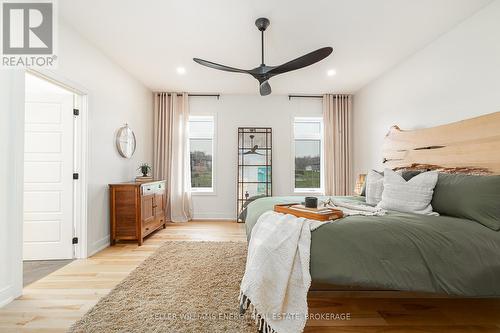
76 112
76 175
74 240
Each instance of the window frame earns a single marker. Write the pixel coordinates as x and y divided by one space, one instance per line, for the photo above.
313 137
204 118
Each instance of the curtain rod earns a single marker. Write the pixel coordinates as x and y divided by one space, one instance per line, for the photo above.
204 95
195 95
304 96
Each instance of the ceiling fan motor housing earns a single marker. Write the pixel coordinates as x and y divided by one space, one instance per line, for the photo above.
262 23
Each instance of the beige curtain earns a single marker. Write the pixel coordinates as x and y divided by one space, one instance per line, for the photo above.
337 117
171 153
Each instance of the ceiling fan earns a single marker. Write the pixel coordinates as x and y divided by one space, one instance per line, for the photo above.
253 149
263 72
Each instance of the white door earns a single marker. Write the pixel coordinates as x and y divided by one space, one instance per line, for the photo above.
48 175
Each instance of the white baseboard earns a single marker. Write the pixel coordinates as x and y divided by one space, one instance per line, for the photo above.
225 219
99 245
214 216
6 296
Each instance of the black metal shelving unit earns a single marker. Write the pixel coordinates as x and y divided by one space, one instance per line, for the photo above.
254 165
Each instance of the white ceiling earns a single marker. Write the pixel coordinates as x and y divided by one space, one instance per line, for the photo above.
150 39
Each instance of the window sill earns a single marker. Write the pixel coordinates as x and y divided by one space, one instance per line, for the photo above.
306 192
203 192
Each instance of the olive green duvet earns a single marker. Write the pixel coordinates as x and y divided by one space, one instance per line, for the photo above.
401 251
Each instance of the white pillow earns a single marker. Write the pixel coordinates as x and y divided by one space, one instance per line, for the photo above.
374 187
413 196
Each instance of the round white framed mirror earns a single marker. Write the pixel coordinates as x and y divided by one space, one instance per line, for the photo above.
125 141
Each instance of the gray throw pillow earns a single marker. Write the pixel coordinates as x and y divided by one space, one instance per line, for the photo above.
409 174
374 187
413 196
471 197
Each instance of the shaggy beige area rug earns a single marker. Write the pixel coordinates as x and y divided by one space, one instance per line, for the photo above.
182 287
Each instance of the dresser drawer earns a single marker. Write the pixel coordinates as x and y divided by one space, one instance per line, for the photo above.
152 188
151 226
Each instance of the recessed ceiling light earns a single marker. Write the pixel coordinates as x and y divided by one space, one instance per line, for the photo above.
181 70
331 72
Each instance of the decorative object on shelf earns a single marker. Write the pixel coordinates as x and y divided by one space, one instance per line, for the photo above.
358 188
145 169
125 141
254 166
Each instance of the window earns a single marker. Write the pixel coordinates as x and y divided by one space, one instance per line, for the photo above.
308 154
201 148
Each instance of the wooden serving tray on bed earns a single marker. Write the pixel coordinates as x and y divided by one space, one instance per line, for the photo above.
298 210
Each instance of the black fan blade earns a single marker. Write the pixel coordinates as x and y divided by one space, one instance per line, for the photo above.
218 66
265 88
303 61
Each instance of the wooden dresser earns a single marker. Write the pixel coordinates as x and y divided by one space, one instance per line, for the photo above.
137 210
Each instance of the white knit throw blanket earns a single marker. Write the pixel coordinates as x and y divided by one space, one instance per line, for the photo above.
353 208
277 277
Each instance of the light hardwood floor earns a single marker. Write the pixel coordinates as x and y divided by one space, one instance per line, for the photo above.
53 303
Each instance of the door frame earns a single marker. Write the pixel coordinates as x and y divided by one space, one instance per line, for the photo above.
81 136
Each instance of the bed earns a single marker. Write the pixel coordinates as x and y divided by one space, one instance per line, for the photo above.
401 251
412 252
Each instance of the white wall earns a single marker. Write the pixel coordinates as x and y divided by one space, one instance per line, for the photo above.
233 111
455 77
11 172
115 98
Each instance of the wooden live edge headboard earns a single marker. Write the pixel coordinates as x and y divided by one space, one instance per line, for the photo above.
471 145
